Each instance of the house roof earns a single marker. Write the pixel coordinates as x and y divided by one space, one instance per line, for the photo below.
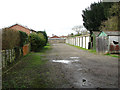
112 33
63 36
20 26
96 33
55 37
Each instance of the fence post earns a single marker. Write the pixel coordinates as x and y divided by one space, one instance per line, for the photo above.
5 59
2 57
8 57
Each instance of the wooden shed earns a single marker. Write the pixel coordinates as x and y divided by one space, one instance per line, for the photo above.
93 39
108 41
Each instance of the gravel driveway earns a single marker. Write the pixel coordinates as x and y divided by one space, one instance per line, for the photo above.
83 69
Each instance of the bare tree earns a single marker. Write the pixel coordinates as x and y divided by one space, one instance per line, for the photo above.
78 29
85 31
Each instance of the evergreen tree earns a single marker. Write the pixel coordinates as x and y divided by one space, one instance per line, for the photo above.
94 15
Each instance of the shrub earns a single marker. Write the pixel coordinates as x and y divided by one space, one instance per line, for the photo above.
10 38
23 38
23 41
45 36
42 39
13 38
37 41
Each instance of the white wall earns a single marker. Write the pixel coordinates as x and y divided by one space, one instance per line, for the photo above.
87 42
74 41
81 41
78 41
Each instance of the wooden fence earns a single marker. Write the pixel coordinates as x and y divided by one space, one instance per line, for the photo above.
81 41
9 56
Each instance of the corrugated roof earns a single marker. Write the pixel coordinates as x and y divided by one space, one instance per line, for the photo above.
110 33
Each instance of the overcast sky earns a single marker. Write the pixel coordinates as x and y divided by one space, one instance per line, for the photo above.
55 16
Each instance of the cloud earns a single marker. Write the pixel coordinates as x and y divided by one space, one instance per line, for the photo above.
55 16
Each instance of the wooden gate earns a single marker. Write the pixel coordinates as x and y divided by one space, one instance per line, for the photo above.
25 49
101 44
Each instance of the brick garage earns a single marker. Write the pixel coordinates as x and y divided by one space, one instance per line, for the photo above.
56 39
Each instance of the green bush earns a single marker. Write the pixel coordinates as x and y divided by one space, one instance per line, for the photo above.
23 38
45 36
37 41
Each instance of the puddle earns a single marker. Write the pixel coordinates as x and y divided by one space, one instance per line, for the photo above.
79 69
65 61
75 60
54 44
74 57
61 61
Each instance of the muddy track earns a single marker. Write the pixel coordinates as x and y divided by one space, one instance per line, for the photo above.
83 69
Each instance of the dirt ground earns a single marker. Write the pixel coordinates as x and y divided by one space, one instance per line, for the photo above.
66 67
86 70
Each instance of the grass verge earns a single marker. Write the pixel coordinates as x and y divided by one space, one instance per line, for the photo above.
30 72
113 55
94 51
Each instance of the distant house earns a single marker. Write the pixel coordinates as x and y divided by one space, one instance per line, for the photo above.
108 41
56 39
20 28
63 36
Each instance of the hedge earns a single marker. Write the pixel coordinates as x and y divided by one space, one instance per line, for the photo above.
10 38
23 38
45 36
37 41
13 38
